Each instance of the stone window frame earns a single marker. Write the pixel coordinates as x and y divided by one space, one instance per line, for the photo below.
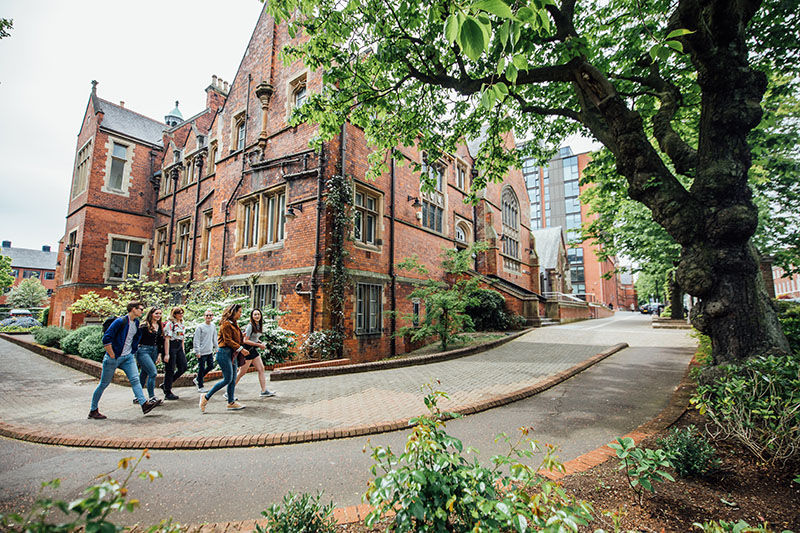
49 275
434 203
107 264
511 223
213 150
205 247
238 131
183 238
160 257
274 217
461 165
248 219
364 324
269 293
126 170
69 259
466 227
295 84
83 168
364 212
28 274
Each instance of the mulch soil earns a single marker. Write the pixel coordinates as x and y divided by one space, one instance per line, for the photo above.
741 489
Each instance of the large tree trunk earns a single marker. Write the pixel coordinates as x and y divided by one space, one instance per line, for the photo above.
675 297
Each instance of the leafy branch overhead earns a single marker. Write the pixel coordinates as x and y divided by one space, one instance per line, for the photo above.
650 80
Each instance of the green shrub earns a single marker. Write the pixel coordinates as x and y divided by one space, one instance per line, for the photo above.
71 341
689 452
723 527
486 310
758 404
50 336
19 329
432 486
44 315
91 347
301 513
643 467
789 315
323 343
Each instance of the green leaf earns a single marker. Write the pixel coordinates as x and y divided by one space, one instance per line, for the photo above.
675 45
511 73
503 31
501 88
678 33
521 62
497 7
472 38
526 14
521 523
451 28
488 98
501 66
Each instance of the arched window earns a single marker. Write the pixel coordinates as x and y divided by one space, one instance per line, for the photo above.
510 206
463 234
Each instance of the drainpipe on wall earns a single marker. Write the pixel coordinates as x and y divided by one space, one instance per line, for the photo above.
241 177
317 239
392 275
175 171
199 157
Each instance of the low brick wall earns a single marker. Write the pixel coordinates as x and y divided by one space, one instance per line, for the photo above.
93 368
572 312
303 373
600 311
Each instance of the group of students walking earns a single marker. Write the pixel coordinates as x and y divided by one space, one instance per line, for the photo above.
127 342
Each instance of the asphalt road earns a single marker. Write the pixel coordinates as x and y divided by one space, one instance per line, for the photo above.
587 411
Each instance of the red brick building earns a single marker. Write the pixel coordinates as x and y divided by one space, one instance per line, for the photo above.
235 192
27 263
554 192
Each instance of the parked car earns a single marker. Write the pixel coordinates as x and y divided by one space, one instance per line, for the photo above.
654 308
20 313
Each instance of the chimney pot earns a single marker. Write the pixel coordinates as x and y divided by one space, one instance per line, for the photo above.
214 80
225 86
122 103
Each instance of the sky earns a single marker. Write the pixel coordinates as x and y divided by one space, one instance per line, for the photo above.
146 53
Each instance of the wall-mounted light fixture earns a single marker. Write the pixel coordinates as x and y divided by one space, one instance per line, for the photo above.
70 247
290 211
415 201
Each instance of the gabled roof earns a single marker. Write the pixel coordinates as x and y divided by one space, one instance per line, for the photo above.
548 243
27 258
130 123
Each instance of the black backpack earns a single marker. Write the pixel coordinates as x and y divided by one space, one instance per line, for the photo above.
108 321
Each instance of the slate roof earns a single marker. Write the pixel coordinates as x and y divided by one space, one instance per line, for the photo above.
26 258
548 241
130 123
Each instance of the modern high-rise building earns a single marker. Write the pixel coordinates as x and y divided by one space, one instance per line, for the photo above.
554 193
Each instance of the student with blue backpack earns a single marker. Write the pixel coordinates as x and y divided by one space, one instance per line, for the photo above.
120 341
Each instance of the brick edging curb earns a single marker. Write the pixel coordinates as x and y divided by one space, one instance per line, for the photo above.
304 373
293 437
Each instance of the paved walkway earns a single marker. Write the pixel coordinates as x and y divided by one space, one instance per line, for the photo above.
610 399
38 395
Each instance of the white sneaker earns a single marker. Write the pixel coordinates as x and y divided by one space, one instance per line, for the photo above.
225 395
202 390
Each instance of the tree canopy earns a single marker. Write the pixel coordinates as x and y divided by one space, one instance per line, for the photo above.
6 279
672 89
29 293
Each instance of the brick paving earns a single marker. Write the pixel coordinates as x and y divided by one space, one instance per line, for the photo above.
38 395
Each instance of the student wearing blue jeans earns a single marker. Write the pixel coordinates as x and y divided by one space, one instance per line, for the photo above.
229 341
120 341
151 344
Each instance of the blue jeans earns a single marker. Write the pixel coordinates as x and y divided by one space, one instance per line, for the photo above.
228 368
128 365
204 366
147 356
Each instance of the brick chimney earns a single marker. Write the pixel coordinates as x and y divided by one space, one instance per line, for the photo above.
6 244
45 248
